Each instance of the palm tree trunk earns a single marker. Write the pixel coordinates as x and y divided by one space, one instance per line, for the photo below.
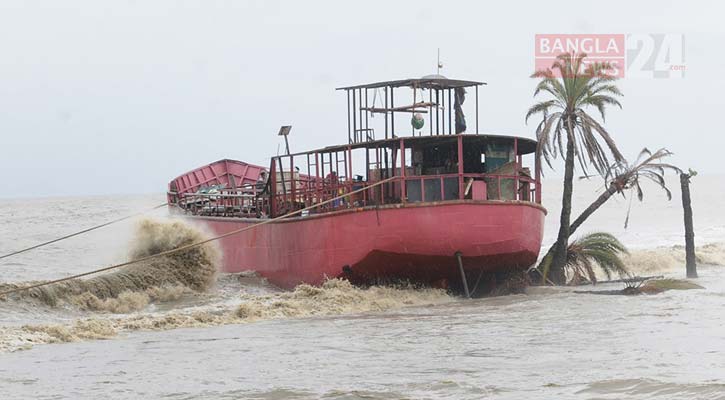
611 190
556 269
603 198
690 260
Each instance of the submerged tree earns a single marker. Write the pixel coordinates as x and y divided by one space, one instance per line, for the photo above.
567 129
690 259
619 178
597 249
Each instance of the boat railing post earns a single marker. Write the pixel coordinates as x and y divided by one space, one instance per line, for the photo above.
322 177
537 175
438 106
403 196
354 116
273 189
386 112
422 190
317 177
476 110
349 159
358 136
366 132
430 111
392 113
443 111
293 182
461 195
517 166
451 131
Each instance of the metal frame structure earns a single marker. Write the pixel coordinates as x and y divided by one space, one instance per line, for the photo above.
439 107
300 180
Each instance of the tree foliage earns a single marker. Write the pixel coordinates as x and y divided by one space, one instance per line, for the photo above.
574 86
598 249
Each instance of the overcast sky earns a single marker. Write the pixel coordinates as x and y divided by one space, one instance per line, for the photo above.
101 97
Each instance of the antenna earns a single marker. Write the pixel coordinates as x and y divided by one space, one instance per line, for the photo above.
440 64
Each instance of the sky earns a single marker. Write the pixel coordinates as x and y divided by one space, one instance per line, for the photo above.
106 97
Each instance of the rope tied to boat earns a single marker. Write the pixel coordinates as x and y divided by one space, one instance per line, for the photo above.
192 245
39 245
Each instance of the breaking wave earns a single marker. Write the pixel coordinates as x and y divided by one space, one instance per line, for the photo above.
133 287
651 388
334 297
670 259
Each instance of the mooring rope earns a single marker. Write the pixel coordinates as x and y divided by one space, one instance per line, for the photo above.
192 245
80 232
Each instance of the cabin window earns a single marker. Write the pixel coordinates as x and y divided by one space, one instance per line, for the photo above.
417 161
428 162
440 159
500 160
473 154
497 155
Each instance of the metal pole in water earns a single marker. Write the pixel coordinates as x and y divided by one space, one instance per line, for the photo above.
463 274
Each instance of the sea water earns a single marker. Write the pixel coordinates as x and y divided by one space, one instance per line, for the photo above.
235 336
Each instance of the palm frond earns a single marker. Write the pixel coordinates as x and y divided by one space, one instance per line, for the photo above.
599 249
542 107
572 89
549 126
648 165
598 128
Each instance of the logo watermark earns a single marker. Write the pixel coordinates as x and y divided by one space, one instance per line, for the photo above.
641 55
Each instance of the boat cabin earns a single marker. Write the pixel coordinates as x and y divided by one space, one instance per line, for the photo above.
441 162
421 135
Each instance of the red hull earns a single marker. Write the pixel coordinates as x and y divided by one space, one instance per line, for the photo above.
415 241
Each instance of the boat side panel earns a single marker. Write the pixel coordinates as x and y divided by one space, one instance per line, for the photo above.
308 250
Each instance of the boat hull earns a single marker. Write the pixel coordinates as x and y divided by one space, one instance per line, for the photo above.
417 242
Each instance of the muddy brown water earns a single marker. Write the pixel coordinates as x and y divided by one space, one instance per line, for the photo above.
242 338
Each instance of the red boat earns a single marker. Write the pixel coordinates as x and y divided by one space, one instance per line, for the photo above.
440 207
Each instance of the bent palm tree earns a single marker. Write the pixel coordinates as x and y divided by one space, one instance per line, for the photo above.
595 249
621 177
565 120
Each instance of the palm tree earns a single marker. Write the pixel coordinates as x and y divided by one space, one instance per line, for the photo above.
565 120
620 177
595 249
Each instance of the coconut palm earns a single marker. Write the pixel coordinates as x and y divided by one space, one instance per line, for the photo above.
619 178
597 249
623 176
566 123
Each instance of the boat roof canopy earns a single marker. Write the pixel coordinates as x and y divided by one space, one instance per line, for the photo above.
426 82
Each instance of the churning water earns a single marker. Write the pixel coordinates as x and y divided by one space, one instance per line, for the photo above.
174 328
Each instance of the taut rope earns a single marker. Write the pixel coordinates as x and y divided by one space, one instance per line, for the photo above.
192 245
79 232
